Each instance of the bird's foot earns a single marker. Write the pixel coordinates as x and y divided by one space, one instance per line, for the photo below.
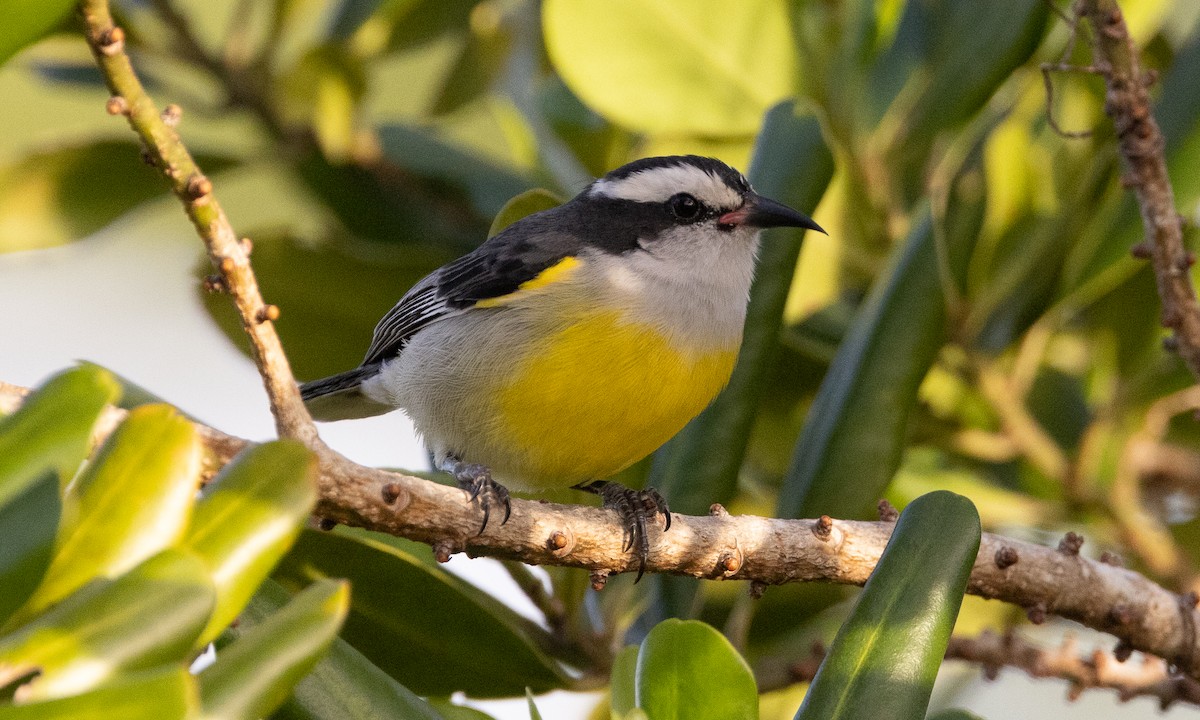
635 507
477 481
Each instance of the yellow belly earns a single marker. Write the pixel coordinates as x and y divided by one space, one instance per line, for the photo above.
603 395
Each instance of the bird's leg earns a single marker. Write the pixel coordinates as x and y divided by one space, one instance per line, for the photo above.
477 480
634 507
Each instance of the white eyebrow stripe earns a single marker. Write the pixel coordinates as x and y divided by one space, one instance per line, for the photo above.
660 183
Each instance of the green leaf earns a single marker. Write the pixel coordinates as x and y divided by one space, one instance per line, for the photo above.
700 465
450 711
688 671
161 694
134 499
52 430
533 711
28 524
954 714
255 673
248 519
527 203
26 21
712 69
886 656
147 617
622 688
450 635
857 424
345 685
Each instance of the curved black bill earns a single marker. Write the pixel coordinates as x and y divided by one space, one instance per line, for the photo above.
766 213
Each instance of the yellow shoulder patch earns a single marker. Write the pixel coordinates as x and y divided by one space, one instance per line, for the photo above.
557 272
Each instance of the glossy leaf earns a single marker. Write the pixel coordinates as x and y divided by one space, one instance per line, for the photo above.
450 711
857 424
527 203
26 21
533 711
345 685
254 675
134 499
147 617
248 519
688 671
652 66
52 429
430 631
28 524
167 693
700 465
886 656
622 688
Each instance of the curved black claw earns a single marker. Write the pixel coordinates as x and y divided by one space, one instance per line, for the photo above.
634 507
477 481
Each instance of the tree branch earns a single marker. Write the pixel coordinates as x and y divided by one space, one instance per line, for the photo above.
1101 670
1141 145
229 256
765 551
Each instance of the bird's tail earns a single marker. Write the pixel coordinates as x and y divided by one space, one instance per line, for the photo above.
340 397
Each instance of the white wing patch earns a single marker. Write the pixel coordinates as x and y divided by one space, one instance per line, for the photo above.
660 183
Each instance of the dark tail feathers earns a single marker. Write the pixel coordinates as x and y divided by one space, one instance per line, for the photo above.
340 397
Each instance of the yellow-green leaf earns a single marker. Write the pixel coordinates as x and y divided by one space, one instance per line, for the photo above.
527 203
167 693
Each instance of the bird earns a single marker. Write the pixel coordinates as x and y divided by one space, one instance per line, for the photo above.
576 341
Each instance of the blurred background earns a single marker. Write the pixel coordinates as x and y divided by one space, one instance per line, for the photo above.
990 330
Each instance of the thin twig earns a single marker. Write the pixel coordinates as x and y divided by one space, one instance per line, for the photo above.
1142 146
228 255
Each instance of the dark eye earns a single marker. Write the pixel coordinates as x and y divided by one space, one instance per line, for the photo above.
684 206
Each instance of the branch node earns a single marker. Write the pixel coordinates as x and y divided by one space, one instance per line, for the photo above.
1120 614
1070 544
171 115
561 542
1111 558
267 312
443 549
717 510
1171 344
247 245
1037 613
822 528
887 511
214 284
1122 651
757 588
1143 250
326 524
227 265
599 579
393 494
198 187
117 105
1006 557
729 563
148 158
111 41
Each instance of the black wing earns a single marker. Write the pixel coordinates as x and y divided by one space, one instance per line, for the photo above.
494 269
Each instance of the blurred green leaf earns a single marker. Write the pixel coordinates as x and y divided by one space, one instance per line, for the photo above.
708 69
28 524
49 199
857 425
134 499
700 465
256 673
324 90
450 711
52 430
622 688
344 684
165 693
448 637
954 714
350 16
527 203
479 64
533 711
248 519
886 656
688 671
26 21
147 617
